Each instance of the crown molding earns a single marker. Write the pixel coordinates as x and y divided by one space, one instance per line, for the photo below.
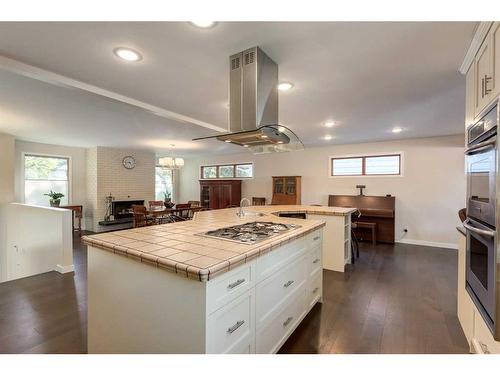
46 76
477 40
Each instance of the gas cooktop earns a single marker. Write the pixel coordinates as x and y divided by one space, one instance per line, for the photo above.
250 233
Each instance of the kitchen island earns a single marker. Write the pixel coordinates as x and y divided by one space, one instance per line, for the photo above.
217 296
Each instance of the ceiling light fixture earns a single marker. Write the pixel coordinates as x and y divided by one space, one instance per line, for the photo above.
171 162
285 86
203 24
328 137
329 124
127 54
397 130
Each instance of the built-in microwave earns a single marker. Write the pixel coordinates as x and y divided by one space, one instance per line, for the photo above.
481 159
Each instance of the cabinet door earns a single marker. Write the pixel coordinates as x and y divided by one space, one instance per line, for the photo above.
279 187
469 97
495 44
205 196
291 185
483 76
214 192
225 196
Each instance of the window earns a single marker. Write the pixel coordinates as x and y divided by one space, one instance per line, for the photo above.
227 171
43 174
163 183
376 165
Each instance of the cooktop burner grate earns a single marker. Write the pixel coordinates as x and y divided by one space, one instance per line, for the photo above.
250 233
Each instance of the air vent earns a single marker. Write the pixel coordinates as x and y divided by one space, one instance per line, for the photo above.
249 57
235 63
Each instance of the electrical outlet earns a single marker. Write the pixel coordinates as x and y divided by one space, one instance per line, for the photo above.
405 230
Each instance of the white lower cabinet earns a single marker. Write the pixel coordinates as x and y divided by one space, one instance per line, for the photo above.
255 308
231 328
252 308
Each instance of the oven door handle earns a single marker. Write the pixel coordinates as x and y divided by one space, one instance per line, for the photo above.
481 146
484 232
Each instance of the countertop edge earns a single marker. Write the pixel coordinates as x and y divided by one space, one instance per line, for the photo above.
192 272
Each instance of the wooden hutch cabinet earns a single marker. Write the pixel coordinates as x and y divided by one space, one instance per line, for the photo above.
217 194
286 190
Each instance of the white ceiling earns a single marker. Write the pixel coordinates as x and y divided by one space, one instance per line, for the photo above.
368 77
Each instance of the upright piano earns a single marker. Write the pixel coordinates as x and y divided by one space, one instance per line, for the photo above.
374 209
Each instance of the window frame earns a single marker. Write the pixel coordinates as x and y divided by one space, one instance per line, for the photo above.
172 170
363 158
44 155
217 166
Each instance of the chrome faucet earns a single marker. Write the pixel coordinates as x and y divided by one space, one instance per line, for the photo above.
241 213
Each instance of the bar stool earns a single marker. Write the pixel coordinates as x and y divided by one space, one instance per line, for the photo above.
354 240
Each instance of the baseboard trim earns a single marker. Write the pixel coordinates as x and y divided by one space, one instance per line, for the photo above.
65 269
445 245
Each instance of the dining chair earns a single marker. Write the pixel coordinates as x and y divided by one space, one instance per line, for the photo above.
155 204
184 210
258 201
141 219
195 203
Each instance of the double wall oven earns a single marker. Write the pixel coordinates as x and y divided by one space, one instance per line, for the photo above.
482 223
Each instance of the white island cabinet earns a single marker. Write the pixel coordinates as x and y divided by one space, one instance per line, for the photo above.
252 308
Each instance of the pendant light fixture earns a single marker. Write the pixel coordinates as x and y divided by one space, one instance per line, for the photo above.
171 162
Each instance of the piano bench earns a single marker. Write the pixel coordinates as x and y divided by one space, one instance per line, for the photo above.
371 226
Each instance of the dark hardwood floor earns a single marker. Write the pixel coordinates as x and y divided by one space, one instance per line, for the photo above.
395 299
46 313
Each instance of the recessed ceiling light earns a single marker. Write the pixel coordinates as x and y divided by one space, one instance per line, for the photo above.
203 24
285 86
328 137
397 130
127 54
329 124
245 145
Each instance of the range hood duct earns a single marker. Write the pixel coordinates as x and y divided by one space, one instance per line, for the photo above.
253 105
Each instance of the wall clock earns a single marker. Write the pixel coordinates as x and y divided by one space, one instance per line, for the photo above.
128 162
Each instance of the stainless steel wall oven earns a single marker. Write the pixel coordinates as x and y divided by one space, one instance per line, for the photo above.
482 260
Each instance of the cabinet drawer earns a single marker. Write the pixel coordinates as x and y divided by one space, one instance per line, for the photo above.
275 260
314 263
232 327
230 285
272 292
315 237
272 335
314 290
483 340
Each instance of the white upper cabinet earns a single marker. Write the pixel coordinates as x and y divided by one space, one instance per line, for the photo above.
495 43
487 70
470 97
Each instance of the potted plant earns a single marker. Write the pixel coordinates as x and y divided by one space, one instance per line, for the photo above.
168 200
55 198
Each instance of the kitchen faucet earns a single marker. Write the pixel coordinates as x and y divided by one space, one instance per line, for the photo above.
241 213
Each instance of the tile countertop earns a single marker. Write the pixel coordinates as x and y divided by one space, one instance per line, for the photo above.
177 248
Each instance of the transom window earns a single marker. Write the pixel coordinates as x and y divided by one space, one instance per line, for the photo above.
43 174
244 170
373 165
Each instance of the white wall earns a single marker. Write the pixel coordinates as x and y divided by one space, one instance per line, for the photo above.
106 174
39 239
76 156
428 195
6 192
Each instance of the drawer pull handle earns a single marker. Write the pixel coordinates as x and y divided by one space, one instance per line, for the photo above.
316 260
287 322
316 238
288 283
238 324
315 290
236 283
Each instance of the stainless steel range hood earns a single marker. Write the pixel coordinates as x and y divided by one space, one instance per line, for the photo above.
253 105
